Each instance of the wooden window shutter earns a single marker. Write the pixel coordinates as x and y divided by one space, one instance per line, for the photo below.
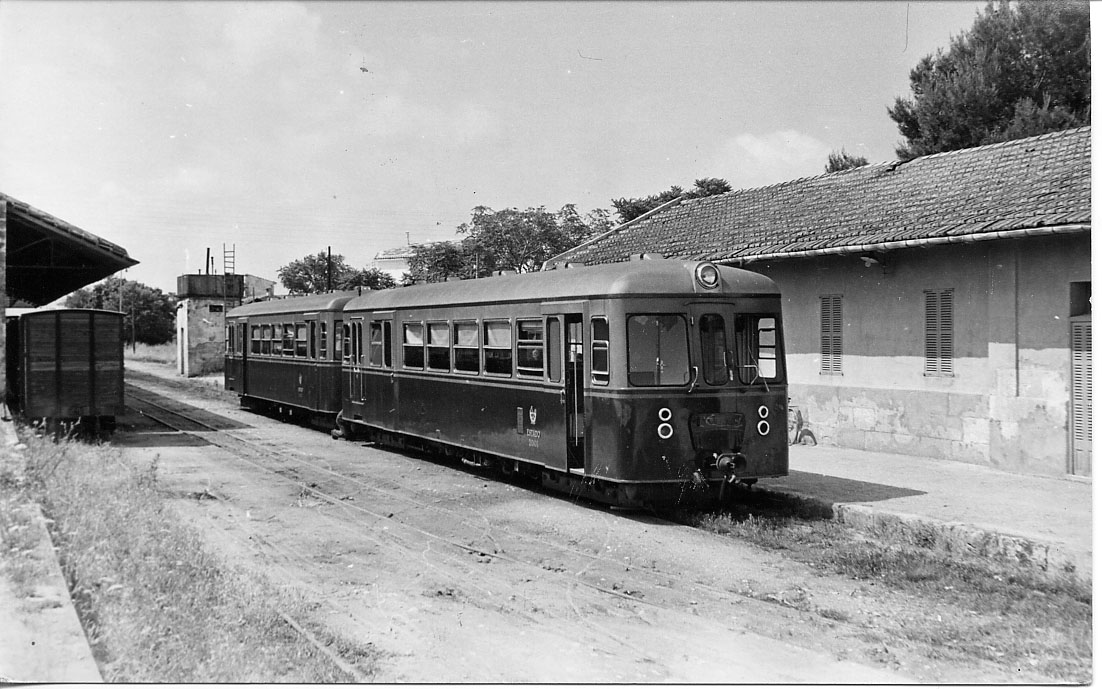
939 332
830 334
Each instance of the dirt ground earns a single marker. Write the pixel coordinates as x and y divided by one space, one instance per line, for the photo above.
456 576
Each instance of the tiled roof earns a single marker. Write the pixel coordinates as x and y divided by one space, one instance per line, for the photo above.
1038 182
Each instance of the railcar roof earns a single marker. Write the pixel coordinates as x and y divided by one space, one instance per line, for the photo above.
656 277
331 301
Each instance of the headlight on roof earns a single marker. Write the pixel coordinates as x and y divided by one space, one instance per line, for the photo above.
707 275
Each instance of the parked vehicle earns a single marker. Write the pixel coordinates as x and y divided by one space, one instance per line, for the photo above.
65 367
648 382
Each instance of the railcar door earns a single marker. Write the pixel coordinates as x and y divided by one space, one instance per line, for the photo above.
354 357
246 346
564 440
574 392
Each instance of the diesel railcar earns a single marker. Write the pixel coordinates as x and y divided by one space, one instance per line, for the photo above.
285 355
65 367
638 383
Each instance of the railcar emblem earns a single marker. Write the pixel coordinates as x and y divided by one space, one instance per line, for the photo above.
532 415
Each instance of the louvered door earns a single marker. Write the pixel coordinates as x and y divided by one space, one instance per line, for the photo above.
1080 417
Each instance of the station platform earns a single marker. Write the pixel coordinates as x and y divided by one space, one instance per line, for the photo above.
1042 522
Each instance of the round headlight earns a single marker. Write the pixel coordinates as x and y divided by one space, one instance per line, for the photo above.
707 275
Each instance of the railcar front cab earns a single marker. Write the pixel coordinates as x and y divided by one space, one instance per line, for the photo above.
700 398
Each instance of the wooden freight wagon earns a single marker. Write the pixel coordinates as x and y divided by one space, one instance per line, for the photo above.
66 365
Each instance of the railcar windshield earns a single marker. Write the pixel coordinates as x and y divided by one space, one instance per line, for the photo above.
756 347
658 350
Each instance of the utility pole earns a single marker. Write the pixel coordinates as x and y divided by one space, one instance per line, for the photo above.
329 268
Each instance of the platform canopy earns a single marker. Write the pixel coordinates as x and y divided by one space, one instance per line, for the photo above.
47 257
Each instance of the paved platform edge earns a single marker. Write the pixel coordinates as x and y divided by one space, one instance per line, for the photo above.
953 537
70 651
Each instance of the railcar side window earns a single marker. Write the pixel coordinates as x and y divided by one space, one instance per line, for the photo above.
346 349
266 339
756 342
229 339
498 347
313 340
379 354
288 339
466 346
713 349
301 343
413 345
530 348
658 350
554 350
358 342
599 357
338 327
254 340
277 339
439 347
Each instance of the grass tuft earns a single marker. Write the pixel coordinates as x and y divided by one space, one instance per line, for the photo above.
160 354
156 605
963 607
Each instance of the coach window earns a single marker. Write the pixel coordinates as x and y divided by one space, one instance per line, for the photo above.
277 339
265 339
498 347
379 344
229 339
658 350
346 349
439 347
554 350
756 348
302 344
338 327
466 346
413 345
599 357
530 348
313 340
254 340
713 349
288 339
358 342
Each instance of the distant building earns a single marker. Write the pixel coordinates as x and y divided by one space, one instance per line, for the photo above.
202 303
394 262
938 307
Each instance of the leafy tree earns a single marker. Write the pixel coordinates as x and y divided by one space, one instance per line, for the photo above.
436 262
1022 69
149 313
840 160
510 240
520 241
369 278
315 274
629 209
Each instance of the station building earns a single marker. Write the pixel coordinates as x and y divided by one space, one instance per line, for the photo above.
937 307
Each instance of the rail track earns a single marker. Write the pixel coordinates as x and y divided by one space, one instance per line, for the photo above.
260 456
504 564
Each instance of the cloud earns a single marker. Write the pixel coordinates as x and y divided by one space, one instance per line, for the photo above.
255 33
753 160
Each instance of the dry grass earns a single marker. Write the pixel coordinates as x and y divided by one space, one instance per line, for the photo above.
960 608
156 605
160 354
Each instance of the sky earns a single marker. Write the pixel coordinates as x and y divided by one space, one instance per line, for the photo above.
281 129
